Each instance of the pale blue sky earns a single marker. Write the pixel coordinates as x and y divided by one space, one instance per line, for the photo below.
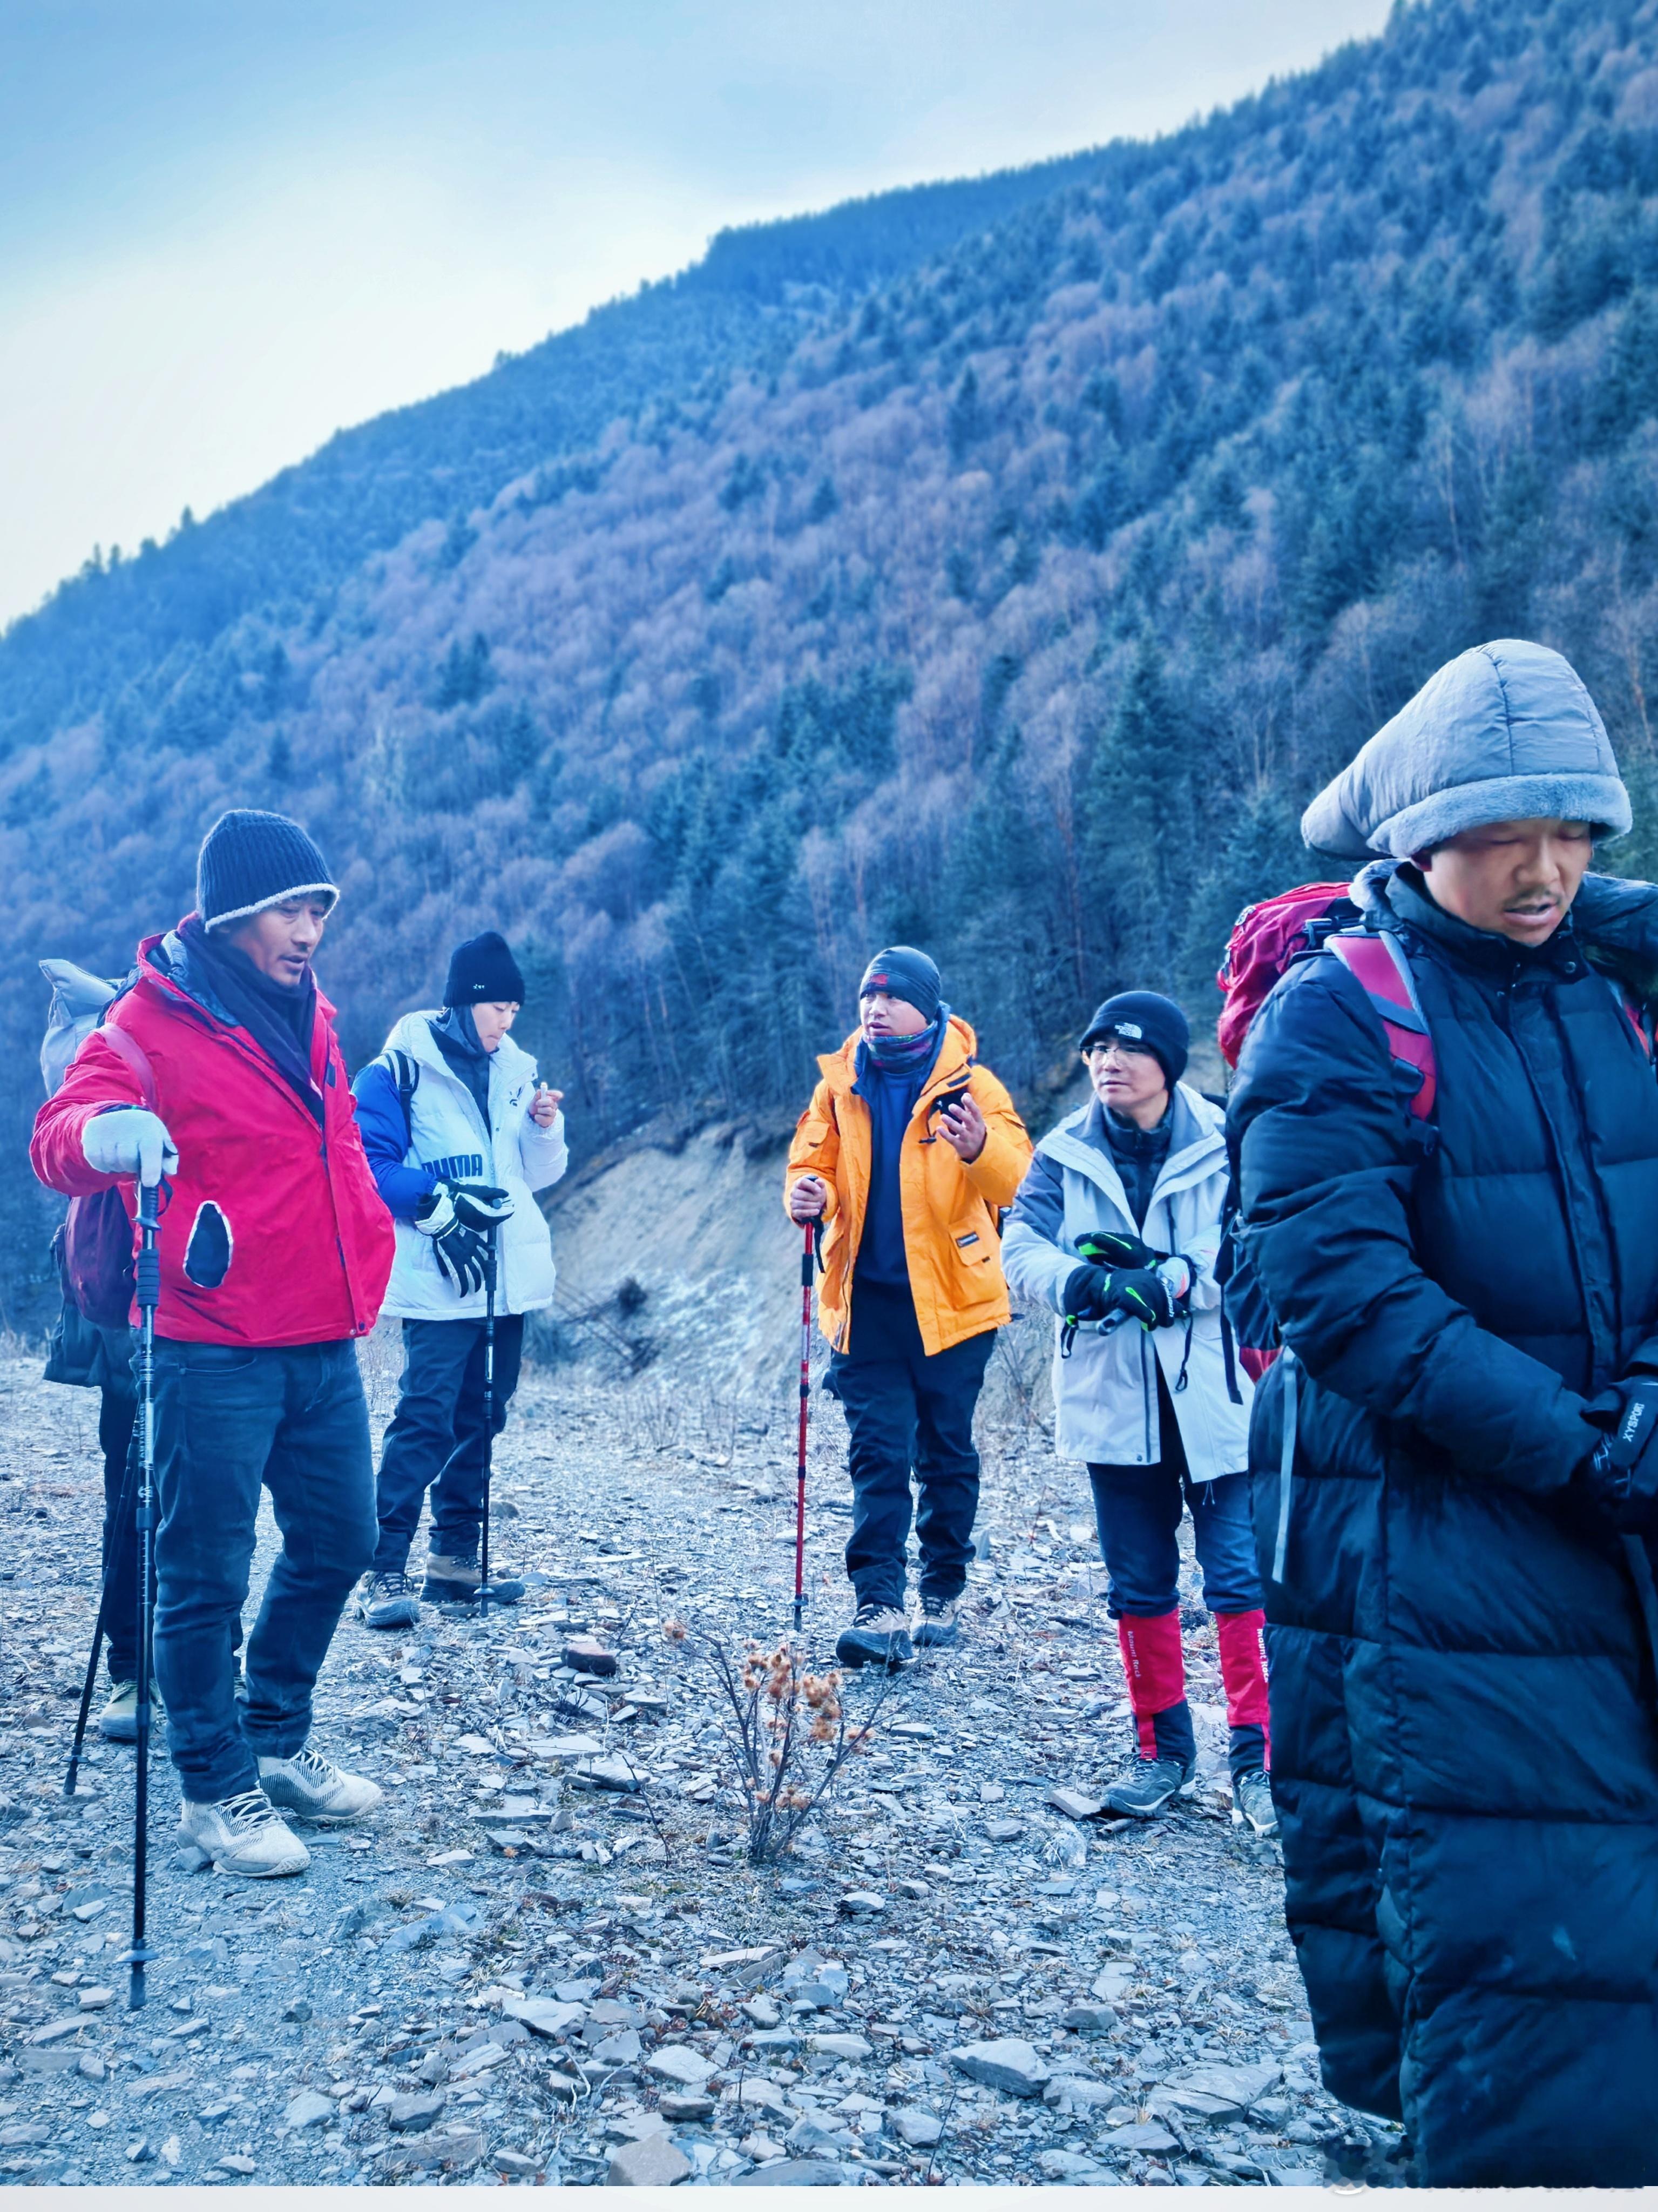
228 227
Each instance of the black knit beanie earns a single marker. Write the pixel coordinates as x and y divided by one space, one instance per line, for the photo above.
250 860
1149 1020
484 969
904 973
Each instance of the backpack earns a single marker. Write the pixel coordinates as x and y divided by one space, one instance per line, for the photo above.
1266 939
95 1257
405 1071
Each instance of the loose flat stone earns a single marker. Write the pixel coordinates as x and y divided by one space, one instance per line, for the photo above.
678 2062
615 1774
762 2011
859 1902
1144 2135
1078 2093
55 2030
1009 2063
757 2091
1004 1831
544 2017
1076 1804
620 2049
634 2127
236 2161
796 2174
416 2110
687 2104
453 2151
587 1656
1073 2166
909 1886
653 2164
1089 2019
566 1747
308 2109
840 2046
919 2129
1229 2088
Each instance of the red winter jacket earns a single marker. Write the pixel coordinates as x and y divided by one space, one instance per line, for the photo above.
310 1240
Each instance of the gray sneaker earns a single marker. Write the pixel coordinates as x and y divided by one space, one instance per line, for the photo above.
879 1636
387 1602
1252 1804
1148 1785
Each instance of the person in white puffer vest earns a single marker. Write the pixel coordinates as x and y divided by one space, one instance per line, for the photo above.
460 1133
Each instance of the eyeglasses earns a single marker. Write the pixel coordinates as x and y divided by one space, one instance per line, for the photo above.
1103 1048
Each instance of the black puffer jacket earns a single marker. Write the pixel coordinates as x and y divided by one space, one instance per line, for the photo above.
1464 1753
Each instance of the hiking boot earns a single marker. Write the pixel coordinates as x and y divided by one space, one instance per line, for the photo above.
1148 1785
387 1602
318 1790
879 1636
1252 1803
243 1835
937 1621
450 1580
119 1721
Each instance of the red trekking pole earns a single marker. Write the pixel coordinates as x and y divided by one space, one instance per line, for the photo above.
814 1230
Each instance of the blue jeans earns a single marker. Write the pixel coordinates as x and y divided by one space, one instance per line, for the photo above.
118 1415
230 1418
907 1409
436 1436
1138 1510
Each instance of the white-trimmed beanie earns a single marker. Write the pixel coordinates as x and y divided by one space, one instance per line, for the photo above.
1505 732
250 860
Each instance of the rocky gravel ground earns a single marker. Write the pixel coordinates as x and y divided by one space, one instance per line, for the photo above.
547 1958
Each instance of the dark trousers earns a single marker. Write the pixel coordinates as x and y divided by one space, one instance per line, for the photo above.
230 1418
118 1422
907 1412
436 1440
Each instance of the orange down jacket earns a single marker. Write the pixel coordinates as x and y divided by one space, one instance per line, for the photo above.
950 1236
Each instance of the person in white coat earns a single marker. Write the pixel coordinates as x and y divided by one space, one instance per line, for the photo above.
1117 1228
460 1133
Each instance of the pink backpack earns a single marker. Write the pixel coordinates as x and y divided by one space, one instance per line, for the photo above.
1265 937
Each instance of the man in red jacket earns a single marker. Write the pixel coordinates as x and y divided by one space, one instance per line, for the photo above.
275 1250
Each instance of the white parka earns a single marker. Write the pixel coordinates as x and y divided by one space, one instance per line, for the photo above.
448 1138
1105 1393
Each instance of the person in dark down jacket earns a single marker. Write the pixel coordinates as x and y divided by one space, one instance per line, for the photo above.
274 1252
1453 1504
1139 1175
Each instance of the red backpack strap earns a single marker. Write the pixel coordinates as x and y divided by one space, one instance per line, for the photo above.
1376 959
127 1047
1635 1013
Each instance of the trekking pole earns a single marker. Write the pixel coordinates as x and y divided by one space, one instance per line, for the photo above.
814 1230
488 1416
149 1297
128 1479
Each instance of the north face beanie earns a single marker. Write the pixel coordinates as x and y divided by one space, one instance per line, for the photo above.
483 969
250 860
1149 1020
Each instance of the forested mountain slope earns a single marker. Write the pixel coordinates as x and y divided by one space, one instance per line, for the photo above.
1017 608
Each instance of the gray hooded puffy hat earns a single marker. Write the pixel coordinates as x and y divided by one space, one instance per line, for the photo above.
1505 732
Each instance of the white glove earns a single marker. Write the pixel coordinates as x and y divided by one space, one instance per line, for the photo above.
130 1140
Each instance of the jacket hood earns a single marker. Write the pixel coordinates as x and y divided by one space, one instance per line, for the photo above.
1505 733
411 1033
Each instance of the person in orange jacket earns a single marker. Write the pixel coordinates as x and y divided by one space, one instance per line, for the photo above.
907 1153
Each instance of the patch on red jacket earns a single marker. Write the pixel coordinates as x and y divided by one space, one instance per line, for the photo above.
207 1257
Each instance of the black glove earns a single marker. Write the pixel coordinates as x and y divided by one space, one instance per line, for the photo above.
463 1256
1093 1293
481 1206
1110 1247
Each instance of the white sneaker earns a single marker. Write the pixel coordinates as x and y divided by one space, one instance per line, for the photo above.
317 1788
243 1835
